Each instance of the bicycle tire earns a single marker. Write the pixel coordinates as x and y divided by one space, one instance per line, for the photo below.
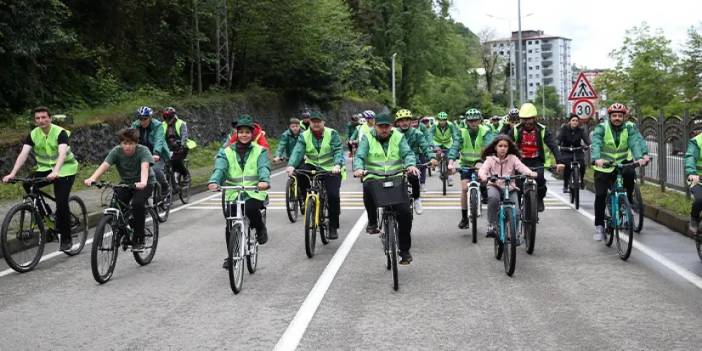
509 256
184 189
637 208
236 263
310 227
252 256
79 225
625 234
444 176
608 230
105 242
150 241
391 227
474 203
12 244
529 224
291 202
324 222
162 205
698 242
497 247
575 187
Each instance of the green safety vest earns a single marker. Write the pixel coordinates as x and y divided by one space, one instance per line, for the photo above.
363 130
471 150
246 177
611 151
189 144
444 138
384 162
698 139
549 159
322 158
46 151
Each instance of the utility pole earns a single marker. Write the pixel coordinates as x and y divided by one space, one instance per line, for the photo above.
394 104
197 48
222 43
519 52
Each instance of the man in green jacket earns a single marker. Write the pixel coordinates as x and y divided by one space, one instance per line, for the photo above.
422 152
288 140
693 170
321 148
444 134
611 143
151 135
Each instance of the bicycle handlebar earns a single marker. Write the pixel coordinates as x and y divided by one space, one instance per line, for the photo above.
573 149
103 184
386 175
28 180
311 172
240 188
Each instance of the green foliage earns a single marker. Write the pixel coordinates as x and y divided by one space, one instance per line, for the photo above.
552 102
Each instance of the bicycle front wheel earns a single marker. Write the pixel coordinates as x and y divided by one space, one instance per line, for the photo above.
184 192
236 262
22 238
324 222
391 232
79 225
103 254
529 224
310 227
575 187
608 228
162 203
474 204
150 240
252 255
637 208
698 242
291 202
625 230
509 256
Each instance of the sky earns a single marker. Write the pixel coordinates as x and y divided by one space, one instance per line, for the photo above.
596 27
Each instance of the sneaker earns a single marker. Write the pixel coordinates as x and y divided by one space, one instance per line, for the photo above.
333 234
566 190
464 223
66 245
491 232
599 233
541 205
262 235
418 209
226 263
138 247
450 181
405 258
372 229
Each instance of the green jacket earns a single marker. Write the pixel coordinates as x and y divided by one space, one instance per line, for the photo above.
455 151
359 159
298 153
454 132
426 131
418 143
156 138
221 168
350 128
286 143
691 156
635 140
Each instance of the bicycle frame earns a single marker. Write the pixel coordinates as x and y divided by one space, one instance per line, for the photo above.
505 202
240 217
314 192
473 183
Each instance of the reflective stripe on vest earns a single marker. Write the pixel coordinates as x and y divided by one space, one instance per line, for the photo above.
322 158
246 177
470 150
549 159
698 139
444 138
46 151
379 160
189 144
611 151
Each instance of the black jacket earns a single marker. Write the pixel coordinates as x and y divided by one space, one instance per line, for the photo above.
572 137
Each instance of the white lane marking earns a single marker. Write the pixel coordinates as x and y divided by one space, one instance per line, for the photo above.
693 278
293 334
90 241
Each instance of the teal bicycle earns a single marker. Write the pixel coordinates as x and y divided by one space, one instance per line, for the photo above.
507 238
619 217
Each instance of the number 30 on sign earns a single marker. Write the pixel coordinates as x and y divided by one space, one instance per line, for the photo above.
583 108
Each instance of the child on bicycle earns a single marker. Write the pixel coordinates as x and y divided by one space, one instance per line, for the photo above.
501 159
134 164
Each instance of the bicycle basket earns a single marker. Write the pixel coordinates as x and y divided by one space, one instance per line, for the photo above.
388 192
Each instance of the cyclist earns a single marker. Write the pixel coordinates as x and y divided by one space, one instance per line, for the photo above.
443 135
386 150
418 144
321 149
573 135
259 135
693 170
351 125
56 162
611 142
501 159
176 133
512 120
363 129
424 126
496 124
288 140
304 120
534 141
460 122
244 163
469 145
134 164
151 136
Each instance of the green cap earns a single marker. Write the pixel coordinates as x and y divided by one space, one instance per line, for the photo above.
245 121
383 118
316 115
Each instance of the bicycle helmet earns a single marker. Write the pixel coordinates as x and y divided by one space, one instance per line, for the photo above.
617 107
169 112
305 114
368 114
403 114
361 120
495 118
144 111
527 110
513 113
442 116
473 115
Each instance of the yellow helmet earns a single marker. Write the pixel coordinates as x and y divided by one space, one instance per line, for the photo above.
402 114
528 110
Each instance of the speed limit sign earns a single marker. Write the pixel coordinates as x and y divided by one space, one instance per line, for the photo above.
584 108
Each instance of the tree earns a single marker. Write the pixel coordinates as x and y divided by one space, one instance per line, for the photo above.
490 60
691 67
552 101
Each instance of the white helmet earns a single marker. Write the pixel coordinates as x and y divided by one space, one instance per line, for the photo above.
361 120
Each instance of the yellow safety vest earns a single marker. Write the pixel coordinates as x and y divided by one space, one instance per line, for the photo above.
46 151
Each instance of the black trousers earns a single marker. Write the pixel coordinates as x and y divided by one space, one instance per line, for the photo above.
696 192
416 187
62 190
332 184
602 183
137 200
252 208
404 218
540 179
178 162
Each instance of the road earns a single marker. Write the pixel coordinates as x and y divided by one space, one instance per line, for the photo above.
572 294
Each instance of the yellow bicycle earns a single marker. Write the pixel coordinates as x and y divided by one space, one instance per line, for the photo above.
316 210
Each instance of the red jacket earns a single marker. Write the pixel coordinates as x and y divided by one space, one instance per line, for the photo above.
259 137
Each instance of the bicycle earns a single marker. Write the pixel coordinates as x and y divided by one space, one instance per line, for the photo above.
528 211
163 202
443 168
387 193
31 223
316 210
637 207
474 203
574 181
618 214
179 183
507 239
114 231
240 243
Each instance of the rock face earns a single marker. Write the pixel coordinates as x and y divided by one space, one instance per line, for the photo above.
207 122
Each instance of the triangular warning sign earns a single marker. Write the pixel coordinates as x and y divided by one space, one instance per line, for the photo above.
582 89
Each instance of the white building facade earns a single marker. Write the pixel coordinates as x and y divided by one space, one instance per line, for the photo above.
546 60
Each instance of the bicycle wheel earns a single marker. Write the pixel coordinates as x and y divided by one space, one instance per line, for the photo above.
391 232
103 254
698 242
184 191
252 256
625 231
291 204
22 237
162 203
529 221
236 262
474 203
444 176
608 230
637 209
310 227
575 187
150 240
324 222
79 224
509 256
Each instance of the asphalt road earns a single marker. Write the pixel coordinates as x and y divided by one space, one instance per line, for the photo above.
572 294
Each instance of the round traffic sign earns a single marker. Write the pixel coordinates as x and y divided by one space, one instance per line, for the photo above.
584 108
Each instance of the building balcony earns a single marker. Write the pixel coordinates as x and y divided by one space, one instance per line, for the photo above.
546 55
548 81
546 47
547 71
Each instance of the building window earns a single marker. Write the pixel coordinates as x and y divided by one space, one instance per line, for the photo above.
531 76
537 68
530 59
529 42
531 92
529 51
502 52
537 42
502 44
530 68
